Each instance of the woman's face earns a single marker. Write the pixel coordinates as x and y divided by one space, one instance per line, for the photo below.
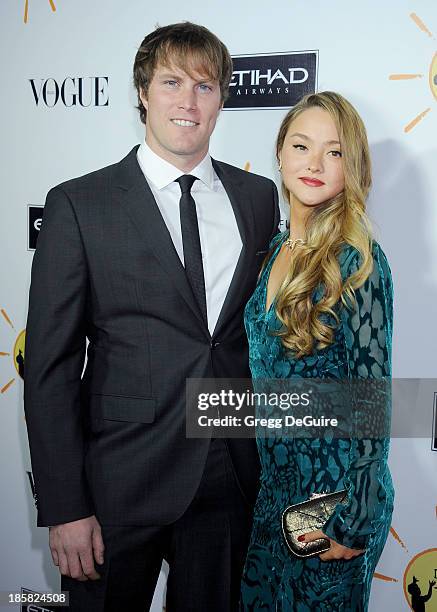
312 168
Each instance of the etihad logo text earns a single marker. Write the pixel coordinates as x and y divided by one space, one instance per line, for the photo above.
274 80
72 91
34 221
255 77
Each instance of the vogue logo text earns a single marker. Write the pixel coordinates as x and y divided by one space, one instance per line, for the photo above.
72 91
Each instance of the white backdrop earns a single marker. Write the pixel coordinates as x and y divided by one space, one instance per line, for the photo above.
360 45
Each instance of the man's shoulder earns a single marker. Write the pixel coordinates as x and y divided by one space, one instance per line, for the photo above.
97 179
242 175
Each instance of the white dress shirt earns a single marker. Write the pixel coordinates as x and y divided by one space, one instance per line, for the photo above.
220 239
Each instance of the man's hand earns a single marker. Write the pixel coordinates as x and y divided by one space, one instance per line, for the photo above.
74 547
336 551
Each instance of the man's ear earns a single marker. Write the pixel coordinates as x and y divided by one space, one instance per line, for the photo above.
143 98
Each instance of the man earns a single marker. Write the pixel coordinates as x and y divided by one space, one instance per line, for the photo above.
154 268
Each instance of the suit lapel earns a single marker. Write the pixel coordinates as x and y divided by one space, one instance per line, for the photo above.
243 210
144 212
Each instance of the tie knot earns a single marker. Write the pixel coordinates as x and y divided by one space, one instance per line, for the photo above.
186 182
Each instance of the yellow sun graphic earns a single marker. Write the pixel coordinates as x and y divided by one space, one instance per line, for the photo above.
432 75
26 9
419 572
415 589
17 353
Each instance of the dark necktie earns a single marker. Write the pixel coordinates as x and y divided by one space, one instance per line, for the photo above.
191 242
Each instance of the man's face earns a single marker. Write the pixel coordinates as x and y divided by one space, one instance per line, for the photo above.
182 111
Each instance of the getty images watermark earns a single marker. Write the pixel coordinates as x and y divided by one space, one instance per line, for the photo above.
225 400
241 408
330 407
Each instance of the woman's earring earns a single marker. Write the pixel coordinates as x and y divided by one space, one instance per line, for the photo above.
280 165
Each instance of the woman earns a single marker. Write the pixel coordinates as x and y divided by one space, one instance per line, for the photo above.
322 309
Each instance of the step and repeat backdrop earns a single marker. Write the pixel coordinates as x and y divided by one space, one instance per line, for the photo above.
68 107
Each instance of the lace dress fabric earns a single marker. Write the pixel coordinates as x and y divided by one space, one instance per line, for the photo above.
293 468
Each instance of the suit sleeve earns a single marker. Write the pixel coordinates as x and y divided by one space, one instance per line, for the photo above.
54 359
368 334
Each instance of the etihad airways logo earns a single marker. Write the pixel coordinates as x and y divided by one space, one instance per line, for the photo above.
34 221
275 80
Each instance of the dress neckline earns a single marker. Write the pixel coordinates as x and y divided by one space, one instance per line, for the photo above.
267 271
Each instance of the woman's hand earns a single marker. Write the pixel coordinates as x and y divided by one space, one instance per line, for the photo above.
336 551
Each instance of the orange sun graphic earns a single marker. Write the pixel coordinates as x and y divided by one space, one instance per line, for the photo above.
432 75
16 354
26 9
422 564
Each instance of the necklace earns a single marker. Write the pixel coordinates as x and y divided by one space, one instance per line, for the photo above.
292 243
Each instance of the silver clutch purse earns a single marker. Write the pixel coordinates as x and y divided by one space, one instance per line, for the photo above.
308 516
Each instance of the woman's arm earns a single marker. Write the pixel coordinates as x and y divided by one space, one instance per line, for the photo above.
368 337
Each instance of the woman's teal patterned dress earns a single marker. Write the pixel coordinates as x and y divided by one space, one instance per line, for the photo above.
293 468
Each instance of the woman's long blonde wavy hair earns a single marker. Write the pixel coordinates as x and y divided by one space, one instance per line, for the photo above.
340 221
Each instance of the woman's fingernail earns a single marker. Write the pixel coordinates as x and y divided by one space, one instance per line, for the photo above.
301 538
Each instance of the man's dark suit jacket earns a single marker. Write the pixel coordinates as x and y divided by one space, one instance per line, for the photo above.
113 442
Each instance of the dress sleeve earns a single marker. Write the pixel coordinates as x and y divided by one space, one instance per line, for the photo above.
276 214
368 336
278 236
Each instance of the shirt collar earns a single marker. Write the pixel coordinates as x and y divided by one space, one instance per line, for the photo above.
161 173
